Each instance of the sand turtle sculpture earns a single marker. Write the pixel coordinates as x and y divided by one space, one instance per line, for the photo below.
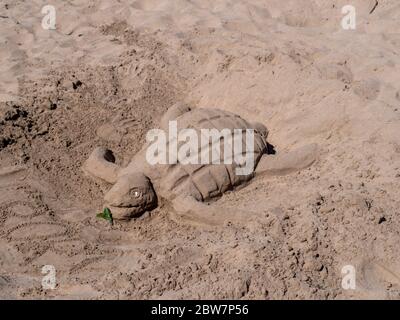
190 188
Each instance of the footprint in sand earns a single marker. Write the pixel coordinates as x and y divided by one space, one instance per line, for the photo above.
375 278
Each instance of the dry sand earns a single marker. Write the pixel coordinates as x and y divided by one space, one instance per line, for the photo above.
106 75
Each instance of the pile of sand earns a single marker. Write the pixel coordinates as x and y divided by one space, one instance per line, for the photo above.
112 68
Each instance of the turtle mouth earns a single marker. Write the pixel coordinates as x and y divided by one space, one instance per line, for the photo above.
125 212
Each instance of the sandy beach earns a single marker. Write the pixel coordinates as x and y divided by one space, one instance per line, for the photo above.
105 76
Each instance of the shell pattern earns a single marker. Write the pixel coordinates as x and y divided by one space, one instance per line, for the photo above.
207 181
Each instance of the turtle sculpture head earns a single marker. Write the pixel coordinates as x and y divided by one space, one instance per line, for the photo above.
131 195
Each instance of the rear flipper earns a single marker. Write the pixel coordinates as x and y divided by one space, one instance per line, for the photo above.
173 113
286 163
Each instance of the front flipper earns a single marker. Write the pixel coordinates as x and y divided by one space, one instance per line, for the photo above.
286 163
188 210
101 165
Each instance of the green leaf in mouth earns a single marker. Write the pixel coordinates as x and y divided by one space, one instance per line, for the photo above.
106 214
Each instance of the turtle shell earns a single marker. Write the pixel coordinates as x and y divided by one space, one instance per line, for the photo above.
210 180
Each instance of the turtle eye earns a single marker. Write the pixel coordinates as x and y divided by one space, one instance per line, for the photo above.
136 194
